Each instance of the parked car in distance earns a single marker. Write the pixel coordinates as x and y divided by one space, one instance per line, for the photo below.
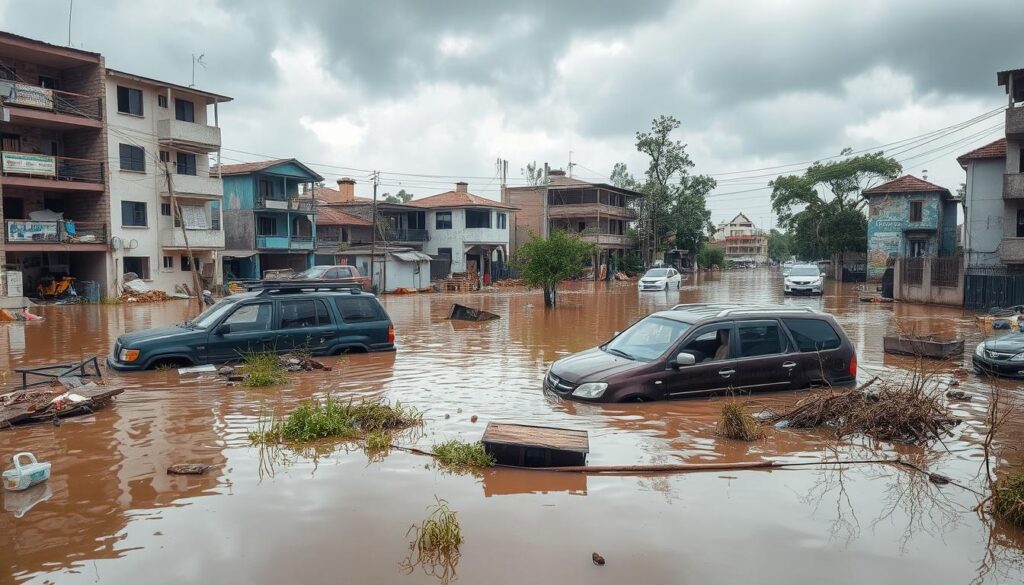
660 279
337 273
1002 356
279 317
787 266
707 349
803 278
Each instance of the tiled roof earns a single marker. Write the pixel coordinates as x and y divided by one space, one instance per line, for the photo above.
331 196
907 184
249 167
327 214
995 149
457 199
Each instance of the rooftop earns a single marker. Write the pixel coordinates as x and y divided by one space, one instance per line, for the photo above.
263 165
992 150
33 51
454 199
210 97
906 184
691 313
329 214
561 181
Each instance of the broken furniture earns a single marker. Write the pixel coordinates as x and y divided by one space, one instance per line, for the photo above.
534 446
928 347
462 313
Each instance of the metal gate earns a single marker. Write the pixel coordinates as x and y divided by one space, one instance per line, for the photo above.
987 290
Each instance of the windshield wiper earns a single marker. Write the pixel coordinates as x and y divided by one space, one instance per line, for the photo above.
620 353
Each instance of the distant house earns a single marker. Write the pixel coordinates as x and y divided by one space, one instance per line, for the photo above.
984 206
269 217
909 217
469 230
741 241
336 231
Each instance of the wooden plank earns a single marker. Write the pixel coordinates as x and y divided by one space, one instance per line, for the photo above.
536 436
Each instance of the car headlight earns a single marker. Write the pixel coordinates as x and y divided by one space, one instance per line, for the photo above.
128 355
1018 358
980 350
590 390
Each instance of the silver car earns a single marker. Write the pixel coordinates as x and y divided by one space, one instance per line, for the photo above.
803 278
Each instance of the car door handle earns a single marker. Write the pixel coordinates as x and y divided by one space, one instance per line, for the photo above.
726 373
789 365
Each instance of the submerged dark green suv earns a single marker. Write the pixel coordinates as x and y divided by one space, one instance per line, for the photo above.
323 319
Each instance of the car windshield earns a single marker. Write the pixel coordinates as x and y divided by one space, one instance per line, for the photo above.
213 313
804 271
656 273
648 339
315 272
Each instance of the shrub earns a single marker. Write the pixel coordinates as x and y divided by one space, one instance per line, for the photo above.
457 455
737 423
1008 499
263 369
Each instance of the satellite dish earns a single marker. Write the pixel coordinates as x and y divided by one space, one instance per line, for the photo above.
132 244
115 243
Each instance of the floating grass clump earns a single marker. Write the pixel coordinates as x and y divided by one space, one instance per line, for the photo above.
378 440
436 541
455 454
1008 499
263 369
737 423
312 420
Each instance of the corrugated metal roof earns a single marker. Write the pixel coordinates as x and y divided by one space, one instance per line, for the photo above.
411 256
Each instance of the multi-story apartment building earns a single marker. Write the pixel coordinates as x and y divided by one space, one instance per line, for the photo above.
160 136
1011 250
53 165
600 213
741 241
269 217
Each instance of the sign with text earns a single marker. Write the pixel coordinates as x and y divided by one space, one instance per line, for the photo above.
31 231
31 96
29 164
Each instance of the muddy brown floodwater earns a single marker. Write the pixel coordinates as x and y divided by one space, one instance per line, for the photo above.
110 513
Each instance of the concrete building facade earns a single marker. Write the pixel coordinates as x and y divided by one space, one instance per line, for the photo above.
984 207
741 241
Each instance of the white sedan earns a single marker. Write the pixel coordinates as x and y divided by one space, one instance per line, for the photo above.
661 279
803 279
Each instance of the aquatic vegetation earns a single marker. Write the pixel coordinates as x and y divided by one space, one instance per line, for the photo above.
737 423
459 455
378 440
1008 499
263 369
312 420
436 541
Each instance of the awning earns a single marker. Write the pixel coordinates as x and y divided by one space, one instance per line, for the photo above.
411 256
237 253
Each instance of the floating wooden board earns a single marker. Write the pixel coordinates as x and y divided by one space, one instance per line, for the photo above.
535 446
924 347
463 313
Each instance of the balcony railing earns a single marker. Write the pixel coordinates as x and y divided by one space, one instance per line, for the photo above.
45 166
197 238
43 98
26 231
181 132
606 239
404 235
1013 186
1015 123
284 242
303 204
568 210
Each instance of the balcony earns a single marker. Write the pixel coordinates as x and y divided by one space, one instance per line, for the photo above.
53 173
195 187
67 235
389 234
1015 123
300 204
608 240
1013 186
48 108
589 210
1011 251
284 242
177 133
198 239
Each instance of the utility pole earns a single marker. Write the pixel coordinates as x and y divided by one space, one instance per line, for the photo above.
545 228
373 238
184 234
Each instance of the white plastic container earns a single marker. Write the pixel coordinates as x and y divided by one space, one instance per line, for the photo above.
25 475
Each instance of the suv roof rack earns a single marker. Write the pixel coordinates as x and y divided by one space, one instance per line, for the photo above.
724 309
267 287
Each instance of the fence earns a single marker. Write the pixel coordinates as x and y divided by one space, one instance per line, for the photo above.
912 271
984 289
936 280
502 271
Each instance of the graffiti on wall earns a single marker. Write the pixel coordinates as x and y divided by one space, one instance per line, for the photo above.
888 222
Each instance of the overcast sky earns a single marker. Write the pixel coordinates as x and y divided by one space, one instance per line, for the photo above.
445 88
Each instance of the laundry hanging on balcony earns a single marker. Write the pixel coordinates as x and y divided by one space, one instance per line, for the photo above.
194 217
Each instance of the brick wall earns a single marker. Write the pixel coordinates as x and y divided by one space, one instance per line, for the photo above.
530 216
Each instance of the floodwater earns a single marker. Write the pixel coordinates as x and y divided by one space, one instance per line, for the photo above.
110 513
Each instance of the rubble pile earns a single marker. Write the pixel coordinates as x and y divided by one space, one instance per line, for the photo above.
509 283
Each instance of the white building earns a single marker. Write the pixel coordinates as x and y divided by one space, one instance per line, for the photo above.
984 207
470 230
155 129
741 241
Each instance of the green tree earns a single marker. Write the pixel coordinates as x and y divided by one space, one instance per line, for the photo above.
780 245
534 174
690 215
546 263
622 178
401 197
711 256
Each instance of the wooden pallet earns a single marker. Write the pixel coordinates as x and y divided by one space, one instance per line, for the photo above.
533 446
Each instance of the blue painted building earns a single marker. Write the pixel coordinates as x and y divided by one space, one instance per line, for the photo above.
269 217
909 217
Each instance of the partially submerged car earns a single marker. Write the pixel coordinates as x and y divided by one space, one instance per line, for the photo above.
661 279
278 317
803 278
336 273
706 349
1002 356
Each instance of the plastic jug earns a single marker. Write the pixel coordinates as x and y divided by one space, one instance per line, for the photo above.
25 475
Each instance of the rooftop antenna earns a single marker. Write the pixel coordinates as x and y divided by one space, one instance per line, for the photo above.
571 164
71 8
924 174
197 60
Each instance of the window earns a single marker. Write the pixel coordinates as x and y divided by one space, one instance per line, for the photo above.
266 226
186 164
48 82
133 214
812 334
129 101
186 265
168 262
8 73
443 220
358 309
647 339
710 343
165 156
137 264
1020 223
916 210
266 189
305 313
161 100
165 209
215 215
502 221
478 219
133 158
254 317
446 252
184 110
760 338
918 248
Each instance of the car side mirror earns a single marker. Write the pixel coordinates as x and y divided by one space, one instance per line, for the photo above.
684 359
222 329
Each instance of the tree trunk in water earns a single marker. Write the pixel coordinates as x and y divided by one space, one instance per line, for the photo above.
549 295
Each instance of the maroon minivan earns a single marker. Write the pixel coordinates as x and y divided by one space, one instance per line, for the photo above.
706 349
